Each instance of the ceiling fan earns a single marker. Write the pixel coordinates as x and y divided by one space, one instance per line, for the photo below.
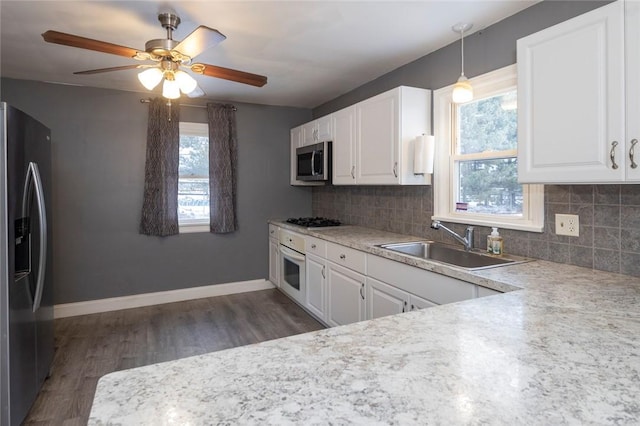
168 56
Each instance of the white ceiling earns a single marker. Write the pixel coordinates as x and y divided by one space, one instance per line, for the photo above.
311 51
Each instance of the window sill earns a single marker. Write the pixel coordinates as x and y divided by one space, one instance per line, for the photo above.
521 225
189 229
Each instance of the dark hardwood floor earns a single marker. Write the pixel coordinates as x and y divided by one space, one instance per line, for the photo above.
90 346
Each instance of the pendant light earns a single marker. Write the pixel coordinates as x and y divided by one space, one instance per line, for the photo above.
462 90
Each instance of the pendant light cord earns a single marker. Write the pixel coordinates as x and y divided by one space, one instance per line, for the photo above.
462 51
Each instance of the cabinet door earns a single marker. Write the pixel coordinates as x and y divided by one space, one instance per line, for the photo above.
571 100
274 262
383 299
377 139
344 146
309 133
416 303
316 285
324 128
346 296
632 54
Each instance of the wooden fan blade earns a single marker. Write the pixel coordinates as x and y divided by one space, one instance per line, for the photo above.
90 44
200 39
229 74
122 68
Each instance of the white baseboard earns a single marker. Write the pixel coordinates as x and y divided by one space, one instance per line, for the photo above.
148 299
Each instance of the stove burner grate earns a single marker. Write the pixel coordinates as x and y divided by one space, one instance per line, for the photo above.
313 222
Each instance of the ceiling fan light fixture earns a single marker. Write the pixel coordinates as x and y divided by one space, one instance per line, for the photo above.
186 83
151 77
170 89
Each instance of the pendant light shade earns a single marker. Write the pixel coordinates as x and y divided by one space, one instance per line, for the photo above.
150 78
462 90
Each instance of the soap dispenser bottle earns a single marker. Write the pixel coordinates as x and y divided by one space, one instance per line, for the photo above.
494 242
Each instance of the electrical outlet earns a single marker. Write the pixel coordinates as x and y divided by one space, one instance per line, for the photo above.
568 224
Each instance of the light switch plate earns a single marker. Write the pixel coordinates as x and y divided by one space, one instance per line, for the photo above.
568 224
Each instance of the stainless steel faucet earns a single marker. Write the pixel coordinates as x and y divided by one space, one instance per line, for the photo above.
466 241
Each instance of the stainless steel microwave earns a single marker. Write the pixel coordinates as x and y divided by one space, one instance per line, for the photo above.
314 162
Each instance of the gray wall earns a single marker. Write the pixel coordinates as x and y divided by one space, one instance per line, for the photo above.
99 139
609 224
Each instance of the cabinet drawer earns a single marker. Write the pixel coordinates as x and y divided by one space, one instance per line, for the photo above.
428 285
273 231
316 246
348 257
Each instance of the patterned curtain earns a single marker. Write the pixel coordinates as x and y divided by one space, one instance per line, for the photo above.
223 163
160 204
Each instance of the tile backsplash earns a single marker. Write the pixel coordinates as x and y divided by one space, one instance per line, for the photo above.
609 221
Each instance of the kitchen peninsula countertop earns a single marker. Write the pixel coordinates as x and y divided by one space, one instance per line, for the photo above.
561 347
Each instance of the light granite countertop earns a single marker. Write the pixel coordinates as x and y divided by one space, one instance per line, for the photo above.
563 349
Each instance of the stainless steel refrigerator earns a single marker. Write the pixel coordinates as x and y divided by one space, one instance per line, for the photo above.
26 294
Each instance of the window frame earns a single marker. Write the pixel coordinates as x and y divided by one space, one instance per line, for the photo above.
486 85
194 225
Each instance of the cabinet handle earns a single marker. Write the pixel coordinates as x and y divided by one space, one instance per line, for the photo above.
323 275
353 172
631 152
313 246
413 307
343 257
395 169
404 306
362 291
612 155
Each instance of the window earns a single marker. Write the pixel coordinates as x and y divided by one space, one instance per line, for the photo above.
193 180
476 170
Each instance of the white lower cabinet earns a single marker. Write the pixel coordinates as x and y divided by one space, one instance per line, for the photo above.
383 299
274 256
344 285
417 303
346 295
316 270
483 292
437 288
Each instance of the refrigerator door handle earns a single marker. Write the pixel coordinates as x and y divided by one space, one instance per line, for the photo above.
34 182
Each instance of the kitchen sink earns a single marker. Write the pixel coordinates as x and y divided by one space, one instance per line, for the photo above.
452 255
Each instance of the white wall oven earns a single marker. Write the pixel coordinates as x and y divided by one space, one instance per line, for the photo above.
292 265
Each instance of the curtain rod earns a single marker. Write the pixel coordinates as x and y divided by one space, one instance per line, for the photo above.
146 101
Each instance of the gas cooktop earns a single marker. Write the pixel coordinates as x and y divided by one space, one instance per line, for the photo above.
313 222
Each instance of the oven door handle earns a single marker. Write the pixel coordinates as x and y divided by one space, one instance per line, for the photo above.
292 254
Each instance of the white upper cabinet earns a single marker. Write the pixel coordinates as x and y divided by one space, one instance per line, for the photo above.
373 141
632 81
344 146
317 131
574 125
387 128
